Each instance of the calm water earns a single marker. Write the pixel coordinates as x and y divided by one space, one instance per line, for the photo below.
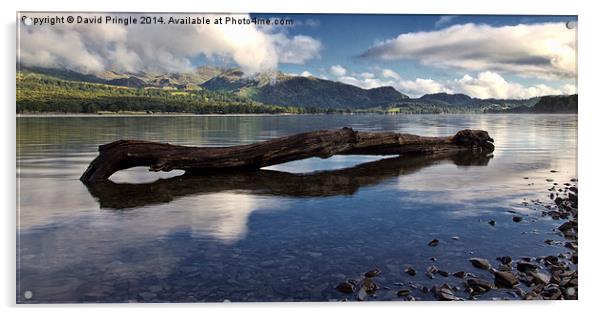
292 232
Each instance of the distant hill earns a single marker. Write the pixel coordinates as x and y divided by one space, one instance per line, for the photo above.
309 94
564 104
452 99
280 89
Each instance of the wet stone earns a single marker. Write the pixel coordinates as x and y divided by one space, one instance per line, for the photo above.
372 273
433 243
517 219
506 279
524 266
480 263
479 285
403 292
345 287
459 274
410 271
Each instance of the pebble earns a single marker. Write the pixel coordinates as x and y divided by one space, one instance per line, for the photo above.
410 271
372 273
433 243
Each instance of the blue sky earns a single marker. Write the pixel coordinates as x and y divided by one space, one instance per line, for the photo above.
480 55
346 37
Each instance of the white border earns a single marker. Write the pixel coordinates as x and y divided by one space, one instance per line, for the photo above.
590 95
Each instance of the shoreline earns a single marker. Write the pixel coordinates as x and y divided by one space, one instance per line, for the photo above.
550 277
173 114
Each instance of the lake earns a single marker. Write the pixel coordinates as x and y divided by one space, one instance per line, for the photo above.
291 232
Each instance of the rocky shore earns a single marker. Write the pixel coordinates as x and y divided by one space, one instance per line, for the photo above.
551 277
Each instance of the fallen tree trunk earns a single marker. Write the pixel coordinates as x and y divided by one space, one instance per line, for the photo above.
124 154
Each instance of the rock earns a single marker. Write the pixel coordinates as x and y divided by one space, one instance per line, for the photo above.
372 273
362 295
403 292
443 273
432 269
445 294
505 279
524 266
505 259
459 274
566 226
369 285
492 223
345 287
553 171
480 263
455 238
479 285
433 243
517 219
540 277
410 271
573 198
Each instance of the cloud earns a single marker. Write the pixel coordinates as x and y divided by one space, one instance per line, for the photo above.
306 74
168 47
338 70
492 85
298 49
546 51
444 19
484 85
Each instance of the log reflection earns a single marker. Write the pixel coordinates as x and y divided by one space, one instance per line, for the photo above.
273 183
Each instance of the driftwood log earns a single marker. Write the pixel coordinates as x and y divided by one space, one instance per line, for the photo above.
124 154
346 181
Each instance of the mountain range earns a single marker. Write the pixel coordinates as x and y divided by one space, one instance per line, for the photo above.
281 89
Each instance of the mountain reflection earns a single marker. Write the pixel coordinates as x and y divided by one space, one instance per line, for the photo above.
346 181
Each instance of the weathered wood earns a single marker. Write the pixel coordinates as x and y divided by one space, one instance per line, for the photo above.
124 154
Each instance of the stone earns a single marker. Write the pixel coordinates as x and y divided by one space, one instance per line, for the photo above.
410 271
540 277
505 279
345 287
524 266
372 273
433 243
480 263
403 292
479 285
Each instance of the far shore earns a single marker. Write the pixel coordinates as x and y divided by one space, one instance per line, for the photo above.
165 114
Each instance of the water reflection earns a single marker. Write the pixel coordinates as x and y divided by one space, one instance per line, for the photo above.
274 183
275 235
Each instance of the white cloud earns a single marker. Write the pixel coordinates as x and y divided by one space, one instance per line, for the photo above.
546 50
492 85
93 48
298 49
445 19
485 85
338 70
420 87
388 73
306 74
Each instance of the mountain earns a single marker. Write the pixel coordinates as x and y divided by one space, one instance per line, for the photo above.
451 99
186 80
285 90
305 94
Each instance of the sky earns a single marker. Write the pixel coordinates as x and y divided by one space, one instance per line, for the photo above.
484 56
